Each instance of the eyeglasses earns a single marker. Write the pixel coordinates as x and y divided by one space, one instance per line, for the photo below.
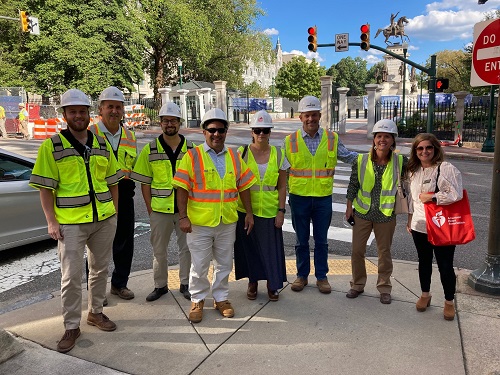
167 122
218 130
427 148
263 130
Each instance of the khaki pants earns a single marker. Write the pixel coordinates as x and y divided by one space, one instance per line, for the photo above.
162 226
23 128
3 132
383 235
99 239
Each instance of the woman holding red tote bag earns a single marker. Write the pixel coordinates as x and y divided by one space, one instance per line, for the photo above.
425 156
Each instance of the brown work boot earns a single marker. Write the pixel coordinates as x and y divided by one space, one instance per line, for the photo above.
252 291
196 312
224 308
123 293
68 340
299 284
101 321
324 286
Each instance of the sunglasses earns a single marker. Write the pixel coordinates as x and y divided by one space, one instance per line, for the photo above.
214 130
426 148
263 130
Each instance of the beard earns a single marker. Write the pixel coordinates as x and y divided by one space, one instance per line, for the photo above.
170 131
78 126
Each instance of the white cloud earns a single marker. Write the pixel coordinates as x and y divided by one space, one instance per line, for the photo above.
371 59
309 55
411 47
271 31
462 5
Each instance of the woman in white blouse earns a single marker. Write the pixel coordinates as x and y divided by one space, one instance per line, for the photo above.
425 157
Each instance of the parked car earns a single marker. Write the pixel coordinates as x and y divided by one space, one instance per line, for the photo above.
21 213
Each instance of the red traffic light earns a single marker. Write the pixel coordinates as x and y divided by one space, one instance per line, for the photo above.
365 37
442 84
365 28
312 39
311 30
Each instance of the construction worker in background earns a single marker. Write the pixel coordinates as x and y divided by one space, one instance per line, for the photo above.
312 153
78 175
208 179
155 170
3 132
123 143
23 121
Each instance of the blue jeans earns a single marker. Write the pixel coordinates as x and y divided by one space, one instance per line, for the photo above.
319 210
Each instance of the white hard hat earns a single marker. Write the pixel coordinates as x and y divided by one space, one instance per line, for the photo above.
21 105
112 93
74 97
261 119
385 126
214 114
170 109
309 103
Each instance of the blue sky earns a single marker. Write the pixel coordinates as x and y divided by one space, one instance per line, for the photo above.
434 26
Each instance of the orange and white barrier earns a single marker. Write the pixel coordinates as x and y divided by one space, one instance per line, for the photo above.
43 129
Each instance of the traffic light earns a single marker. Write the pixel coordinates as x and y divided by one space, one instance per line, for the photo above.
312 39
25 21
365 36
442 84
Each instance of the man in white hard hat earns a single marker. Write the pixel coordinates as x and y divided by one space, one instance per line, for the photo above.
312 153
155 169
209 179
123 143
23 121
77 175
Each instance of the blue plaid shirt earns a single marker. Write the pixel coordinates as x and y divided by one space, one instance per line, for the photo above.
312 144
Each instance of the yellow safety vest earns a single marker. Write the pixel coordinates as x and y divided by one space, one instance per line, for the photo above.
212 198
127 148
366 177
153 168
310 175
78 199
264 193
22 115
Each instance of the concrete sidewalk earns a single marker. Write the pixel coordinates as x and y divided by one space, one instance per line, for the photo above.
302 333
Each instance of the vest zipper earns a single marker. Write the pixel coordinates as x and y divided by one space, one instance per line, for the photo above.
86 158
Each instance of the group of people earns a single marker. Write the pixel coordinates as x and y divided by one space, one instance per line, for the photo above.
224 203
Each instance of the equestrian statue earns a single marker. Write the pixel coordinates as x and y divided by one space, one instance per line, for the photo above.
395 29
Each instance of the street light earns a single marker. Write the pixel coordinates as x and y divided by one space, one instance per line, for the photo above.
272 92
405 49
179 64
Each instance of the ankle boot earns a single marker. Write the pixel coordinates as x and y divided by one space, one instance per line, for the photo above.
423 303
252 291
449 311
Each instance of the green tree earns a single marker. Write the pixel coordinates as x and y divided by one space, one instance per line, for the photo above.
375 73
299 78
352 73
255 90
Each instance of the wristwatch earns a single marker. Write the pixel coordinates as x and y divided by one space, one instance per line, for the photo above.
282 210
434 199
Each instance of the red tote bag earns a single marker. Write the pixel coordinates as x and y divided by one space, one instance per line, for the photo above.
450 224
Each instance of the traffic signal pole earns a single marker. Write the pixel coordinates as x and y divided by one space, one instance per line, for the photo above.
431 72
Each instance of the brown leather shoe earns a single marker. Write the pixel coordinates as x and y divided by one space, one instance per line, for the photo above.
123 293
324 286
68 340
252 291
449 311
353 293
385 298
224 308
423 303
196 312
100 321
299 284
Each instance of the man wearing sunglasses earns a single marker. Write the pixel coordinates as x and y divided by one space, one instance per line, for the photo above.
209 179
155 169
312 153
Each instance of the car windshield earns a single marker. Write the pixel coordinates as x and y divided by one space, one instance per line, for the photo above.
13 170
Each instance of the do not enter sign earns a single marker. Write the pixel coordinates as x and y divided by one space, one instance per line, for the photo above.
486 54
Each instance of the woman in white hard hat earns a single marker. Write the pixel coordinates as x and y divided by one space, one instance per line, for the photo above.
260 255
371 198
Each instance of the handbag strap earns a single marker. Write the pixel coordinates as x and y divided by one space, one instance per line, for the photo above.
437 177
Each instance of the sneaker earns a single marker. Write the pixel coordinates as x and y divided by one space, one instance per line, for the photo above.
156 293
68 340
224 308
324 286
123 293
299 284
196 312
100 321
184 289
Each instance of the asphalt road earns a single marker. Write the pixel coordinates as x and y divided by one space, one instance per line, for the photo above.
30 273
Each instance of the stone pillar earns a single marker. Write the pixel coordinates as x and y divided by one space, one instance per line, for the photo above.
342 108
459 109
202 101
371 90
326 102
165 94
220 95
182 103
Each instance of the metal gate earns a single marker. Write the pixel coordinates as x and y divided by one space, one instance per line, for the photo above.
238 106
334 110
